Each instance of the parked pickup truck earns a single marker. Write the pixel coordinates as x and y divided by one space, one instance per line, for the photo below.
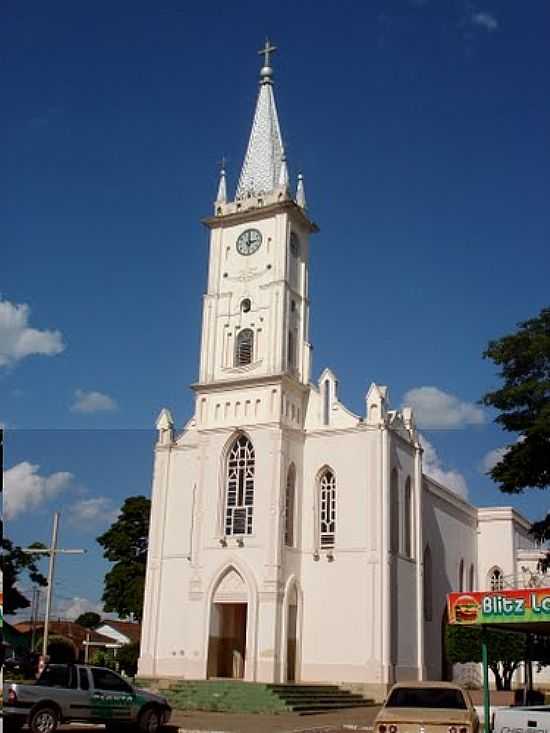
67 693
534 719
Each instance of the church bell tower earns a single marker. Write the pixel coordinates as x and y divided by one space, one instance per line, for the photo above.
256 307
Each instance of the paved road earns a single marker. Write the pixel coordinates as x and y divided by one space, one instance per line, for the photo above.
342 721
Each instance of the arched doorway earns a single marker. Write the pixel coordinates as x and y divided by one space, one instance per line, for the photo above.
291 629
228 626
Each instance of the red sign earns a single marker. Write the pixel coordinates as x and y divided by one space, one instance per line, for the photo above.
497 607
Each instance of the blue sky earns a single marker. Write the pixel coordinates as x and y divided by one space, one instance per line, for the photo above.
421 129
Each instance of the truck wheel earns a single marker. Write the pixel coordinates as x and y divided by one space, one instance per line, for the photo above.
149 721
44 720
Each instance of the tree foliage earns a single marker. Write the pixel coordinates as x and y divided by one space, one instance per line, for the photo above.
125 544
523 402
127 657
506 650
14 563
61 650
88 619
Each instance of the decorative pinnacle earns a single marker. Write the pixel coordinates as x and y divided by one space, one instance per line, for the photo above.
300 192
221 197
266 72
283 173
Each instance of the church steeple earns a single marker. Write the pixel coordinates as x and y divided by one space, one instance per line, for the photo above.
261 171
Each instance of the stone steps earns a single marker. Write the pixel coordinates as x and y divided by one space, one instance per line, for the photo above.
310 699
239 696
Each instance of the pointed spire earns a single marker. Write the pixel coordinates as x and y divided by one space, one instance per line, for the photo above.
283 172
264 155
300 192
221 197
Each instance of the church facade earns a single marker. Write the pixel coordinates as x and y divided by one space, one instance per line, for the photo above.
291 539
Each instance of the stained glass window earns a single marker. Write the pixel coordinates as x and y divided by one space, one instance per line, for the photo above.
327 509
239 503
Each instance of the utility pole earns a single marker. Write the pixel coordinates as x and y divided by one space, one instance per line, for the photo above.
51 552
35 606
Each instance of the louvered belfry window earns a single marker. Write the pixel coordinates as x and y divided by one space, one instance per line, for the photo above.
239 503
245 347
327 509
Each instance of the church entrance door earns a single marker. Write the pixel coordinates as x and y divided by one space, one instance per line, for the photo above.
227 643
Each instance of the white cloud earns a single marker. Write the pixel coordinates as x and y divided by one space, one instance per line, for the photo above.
89 402
490 459
485 20
71 608
434 408
433 466
18 340
25 488
91 511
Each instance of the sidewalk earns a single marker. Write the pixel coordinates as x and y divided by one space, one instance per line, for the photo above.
341 720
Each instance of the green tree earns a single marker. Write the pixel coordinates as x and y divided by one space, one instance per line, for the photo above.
14 563
127 657
61 650
125 544
88 619
523 402
103 658
506 650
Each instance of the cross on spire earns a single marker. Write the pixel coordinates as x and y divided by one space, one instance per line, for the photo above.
266 51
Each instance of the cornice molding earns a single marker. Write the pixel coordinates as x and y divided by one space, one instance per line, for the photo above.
281 379
261 212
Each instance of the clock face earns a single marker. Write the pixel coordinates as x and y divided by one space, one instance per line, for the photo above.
249 242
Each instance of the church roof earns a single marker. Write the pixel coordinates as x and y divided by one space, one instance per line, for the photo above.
261 171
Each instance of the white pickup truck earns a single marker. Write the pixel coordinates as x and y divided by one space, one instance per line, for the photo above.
68 693
534 719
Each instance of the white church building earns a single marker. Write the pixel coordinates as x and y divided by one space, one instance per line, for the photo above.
291 539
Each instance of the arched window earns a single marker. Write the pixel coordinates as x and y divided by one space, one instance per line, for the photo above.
394 512
408 518
428 607
244 351
327 509
461 576
289 505
471 577
239 490
496 579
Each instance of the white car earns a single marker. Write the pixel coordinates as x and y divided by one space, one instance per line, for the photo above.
534 719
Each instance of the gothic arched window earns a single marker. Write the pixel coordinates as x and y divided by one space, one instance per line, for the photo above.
244 350
327 509
461 576
239 489
394 512
428 604
471 578
496 579
408 518
289 505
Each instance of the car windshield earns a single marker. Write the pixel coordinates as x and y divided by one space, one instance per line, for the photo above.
427 697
